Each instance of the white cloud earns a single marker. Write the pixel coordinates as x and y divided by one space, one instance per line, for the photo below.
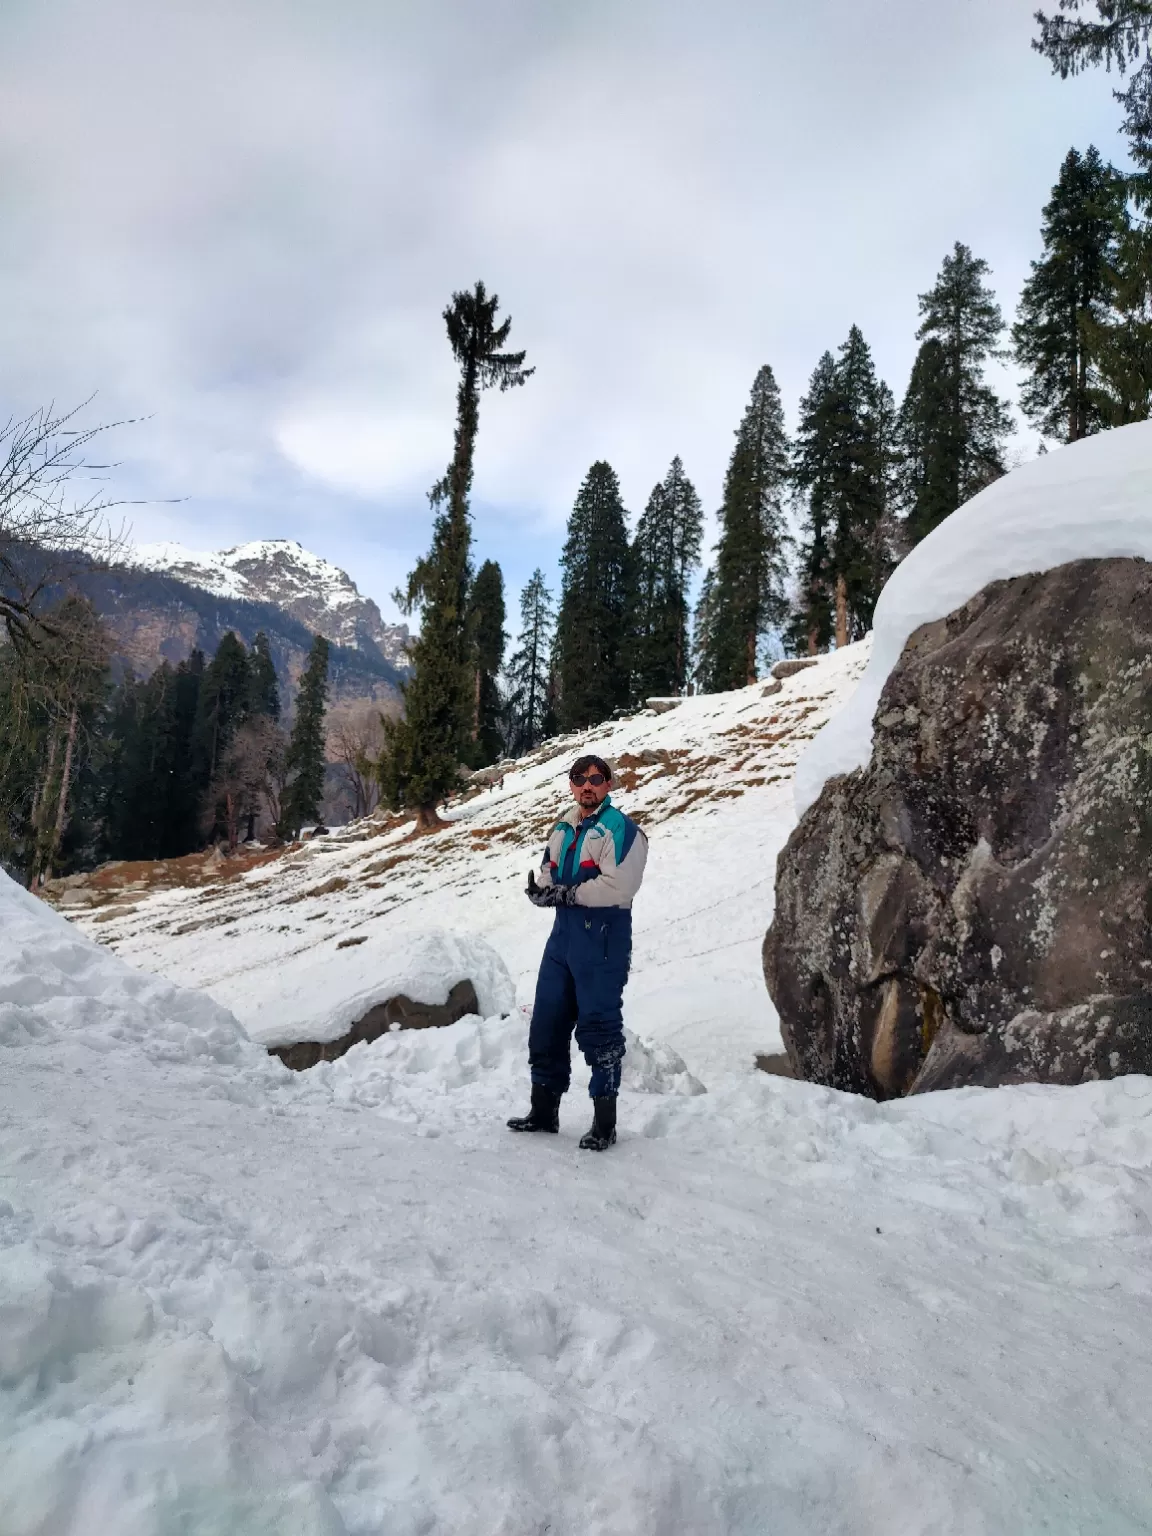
244 222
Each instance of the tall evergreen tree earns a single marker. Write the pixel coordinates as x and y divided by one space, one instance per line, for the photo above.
529 702
593 630
952 426
306 756
486 628
704 646
424 749
1065 300
811 626
843 466
1121 344
665 553
223 704
1118 38
746 598
182 826
862 536
264 690
138 768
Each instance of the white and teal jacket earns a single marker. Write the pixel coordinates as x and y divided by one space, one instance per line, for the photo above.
602 855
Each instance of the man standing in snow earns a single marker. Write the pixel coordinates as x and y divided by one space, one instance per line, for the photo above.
592 868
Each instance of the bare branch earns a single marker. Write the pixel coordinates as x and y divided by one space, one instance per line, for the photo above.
44 531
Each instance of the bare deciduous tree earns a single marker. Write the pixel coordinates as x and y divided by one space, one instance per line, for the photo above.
44 532
65 690
354 740
250 779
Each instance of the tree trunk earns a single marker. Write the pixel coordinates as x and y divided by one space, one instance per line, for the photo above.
813 641
230 819
428 819
62 802
841 613
476 706
40 810
750 656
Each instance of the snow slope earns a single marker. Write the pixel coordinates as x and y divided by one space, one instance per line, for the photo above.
1090 500
283 572
235 1299
715 798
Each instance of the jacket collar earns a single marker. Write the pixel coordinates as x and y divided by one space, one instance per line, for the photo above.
575 820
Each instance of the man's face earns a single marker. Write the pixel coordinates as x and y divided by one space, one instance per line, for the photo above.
589 794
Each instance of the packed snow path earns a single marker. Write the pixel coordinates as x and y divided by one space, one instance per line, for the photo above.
346 1302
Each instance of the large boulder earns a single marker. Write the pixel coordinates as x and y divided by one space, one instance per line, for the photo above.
975 906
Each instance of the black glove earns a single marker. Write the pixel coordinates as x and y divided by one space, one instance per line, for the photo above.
549 895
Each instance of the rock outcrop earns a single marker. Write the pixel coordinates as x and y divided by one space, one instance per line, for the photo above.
975 907
397 1013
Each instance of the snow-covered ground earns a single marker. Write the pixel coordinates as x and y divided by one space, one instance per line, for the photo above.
712 783
235 1299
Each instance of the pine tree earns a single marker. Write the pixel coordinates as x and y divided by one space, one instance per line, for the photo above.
704 641
424 749
222 706
486 632
181 833
811 626
745 599
1065 300
529 706
1118 38
135 787
952 426
1121 344
593 630
306 756
665 553
264 690
844 467
860 552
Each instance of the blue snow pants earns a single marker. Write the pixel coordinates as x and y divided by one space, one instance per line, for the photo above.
581 987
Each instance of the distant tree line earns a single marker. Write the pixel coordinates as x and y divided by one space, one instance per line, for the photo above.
811 524
149 768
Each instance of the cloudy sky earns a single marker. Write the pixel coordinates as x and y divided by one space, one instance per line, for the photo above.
242 219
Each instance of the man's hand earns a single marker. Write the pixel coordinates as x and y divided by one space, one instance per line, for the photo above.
549 895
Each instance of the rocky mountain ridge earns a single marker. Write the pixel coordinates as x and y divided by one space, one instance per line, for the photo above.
152 617
283 573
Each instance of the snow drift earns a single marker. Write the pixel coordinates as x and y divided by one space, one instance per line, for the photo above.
316 994
237 1299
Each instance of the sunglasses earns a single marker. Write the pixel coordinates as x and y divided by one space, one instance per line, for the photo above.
580 779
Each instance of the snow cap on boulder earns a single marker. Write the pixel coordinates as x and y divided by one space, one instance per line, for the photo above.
1091 500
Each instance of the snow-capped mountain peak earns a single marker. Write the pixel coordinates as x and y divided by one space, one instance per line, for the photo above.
284 573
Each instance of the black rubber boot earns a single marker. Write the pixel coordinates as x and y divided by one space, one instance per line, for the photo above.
544 1114
603 1132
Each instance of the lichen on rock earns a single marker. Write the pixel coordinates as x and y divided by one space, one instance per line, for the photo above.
975 906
